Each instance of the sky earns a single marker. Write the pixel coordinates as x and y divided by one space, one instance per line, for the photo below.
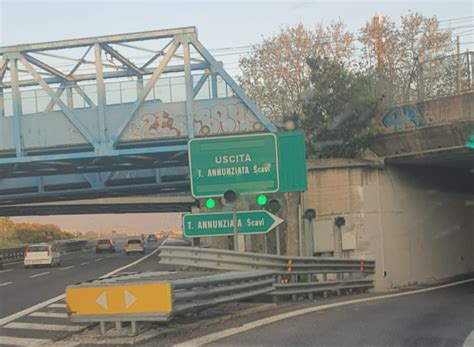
222 26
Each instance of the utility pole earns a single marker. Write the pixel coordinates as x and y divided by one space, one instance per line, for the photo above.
458 64
377 27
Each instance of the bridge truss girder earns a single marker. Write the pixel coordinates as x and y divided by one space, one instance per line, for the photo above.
103 148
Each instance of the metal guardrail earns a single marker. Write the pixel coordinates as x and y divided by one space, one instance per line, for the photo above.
67 246
13 255
159 296
246 261
294 276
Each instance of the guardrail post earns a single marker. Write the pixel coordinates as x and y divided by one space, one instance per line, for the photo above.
102 328
133 325
118 325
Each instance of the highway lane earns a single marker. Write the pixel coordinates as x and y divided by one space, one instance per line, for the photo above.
21 288
443 317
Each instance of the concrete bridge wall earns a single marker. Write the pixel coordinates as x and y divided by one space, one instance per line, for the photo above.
416 229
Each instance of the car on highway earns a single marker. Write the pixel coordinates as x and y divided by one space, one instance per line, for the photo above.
152 238
41 254
134 246
104 245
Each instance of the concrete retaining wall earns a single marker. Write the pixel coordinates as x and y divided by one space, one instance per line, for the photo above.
416 230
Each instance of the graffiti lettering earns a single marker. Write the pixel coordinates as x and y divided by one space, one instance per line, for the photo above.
230 118
158 124
225 117
407 116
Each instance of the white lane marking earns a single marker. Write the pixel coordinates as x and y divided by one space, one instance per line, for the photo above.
6 271
33 308
15 262
28 310
48 327
5 284
57 306
66 268
85 263
49 314
199 341
40 274
469 340
99 259
129 265
21 341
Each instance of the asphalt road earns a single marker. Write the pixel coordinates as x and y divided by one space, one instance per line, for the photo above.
21 288
442 317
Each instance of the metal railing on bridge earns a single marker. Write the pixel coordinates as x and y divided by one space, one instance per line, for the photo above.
428 79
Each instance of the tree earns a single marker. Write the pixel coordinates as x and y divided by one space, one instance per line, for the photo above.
6 228
34 232
276 71
396 54
336 112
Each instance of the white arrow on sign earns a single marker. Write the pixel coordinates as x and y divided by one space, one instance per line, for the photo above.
102 300
129 299
277 221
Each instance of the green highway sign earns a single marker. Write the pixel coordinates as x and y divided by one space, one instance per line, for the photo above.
244 163
222 223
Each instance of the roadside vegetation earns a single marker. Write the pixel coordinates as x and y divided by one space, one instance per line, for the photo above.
333 82
19 234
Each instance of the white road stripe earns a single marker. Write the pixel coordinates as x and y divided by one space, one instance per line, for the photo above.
129 265
28 310
469 340
5 284
66 268
38 275
99 259
6 271
57 306
85 263
199 341
21 341
49 314
48 327
33 308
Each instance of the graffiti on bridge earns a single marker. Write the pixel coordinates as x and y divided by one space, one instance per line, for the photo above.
225 118
222 119
406 117
158 124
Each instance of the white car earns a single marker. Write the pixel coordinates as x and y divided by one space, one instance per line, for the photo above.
41 254
134 246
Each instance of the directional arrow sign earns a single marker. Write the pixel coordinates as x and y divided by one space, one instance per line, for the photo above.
141 298
221 223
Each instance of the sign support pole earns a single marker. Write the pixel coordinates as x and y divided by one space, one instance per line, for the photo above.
277 232
234 217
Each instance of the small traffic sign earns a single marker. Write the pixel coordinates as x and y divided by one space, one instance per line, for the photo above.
103 300
222 223
243 163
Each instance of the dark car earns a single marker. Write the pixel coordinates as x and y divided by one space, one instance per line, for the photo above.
152 238
105 245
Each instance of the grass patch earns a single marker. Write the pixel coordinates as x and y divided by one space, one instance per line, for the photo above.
10 244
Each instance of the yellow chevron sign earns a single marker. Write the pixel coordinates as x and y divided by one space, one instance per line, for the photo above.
119 299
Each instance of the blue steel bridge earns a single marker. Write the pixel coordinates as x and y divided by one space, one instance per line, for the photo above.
110 116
